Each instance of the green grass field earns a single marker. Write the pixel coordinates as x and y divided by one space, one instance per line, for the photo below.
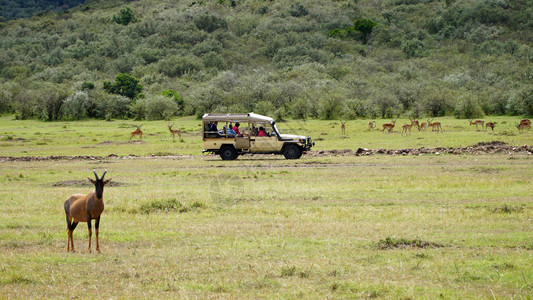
101 138
430 226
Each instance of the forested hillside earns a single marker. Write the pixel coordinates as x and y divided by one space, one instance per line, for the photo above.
310 59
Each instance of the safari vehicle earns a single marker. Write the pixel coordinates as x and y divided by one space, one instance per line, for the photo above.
219 140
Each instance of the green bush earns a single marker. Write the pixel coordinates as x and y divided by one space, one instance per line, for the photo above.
468 107
124 17
175 66
125 85
160 108
76 106
209 22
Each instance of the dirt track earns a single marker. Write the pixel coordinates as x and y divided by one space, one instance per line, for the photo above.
494 147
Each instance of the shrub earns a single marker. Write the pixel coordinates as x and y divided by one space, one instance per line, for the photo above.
298 10
76 105
125 85
124 17
413 48
527 100
468 107
24 105
214 60
175 66
160 108
209 22
264 108
87 86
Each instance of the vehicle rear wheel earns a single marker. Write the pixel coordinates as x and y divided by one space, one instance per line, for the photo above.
228 153
292 152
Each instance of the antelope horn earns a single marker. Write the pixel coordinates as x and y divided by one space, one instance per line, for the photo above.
95 175
102 178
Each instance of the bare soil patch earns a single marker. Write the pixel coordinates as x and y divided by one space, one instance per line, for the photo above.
493 147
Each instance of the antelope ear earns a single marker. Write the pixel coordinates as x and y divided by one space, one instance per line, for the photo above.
91 180
106 181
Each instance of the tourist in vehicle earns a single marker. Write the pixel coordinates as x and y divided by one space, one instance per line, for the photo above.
236 128
213 126
230 131
261 131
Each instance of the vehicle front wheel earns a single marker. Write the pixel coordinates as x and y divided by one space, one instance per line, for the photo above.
228 153
292 152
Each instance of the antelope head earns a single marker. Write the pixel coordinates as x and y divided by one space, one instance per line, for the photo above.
99 184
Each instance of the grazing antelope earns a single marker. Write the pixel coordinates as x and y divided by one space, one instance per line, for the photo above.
343 127
138 132
406 127
491 125
389 126
423 125
371 125
434 125
415 123
525 123
477 122
174 131
84 208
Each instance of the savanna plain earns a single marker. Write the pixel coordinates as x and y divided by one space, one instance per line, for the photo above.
179 224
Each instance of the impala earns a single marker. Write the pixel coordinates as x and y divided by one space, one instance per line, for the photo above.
406 127
371 125
138 132
491 125
423 125
477 122
174 131
389 126
524 124
415 123
434 126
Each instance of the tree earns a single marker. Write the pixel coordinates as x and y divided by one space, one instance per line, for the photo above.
364 26
125 85
125 16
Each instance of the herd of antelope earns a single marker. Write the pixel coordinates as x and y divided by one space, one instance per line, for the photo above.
436 126
406 128
138 132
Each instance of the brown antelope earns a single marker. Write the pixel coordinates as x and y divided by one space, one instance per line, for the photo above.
415 123
84 208
371 125
525 123
138 132
491 125
477 122
389 126
423 125
174 131
434 125
343 127
406 127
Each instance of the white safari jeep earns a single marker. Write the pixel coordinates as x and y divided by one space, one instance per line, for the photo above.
256 134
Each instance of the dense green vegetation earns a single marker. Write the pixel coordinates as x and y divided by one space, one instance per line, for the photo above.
309 59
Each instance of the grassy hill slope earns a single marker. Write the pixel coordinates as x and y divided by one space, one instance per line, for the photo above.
284 58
